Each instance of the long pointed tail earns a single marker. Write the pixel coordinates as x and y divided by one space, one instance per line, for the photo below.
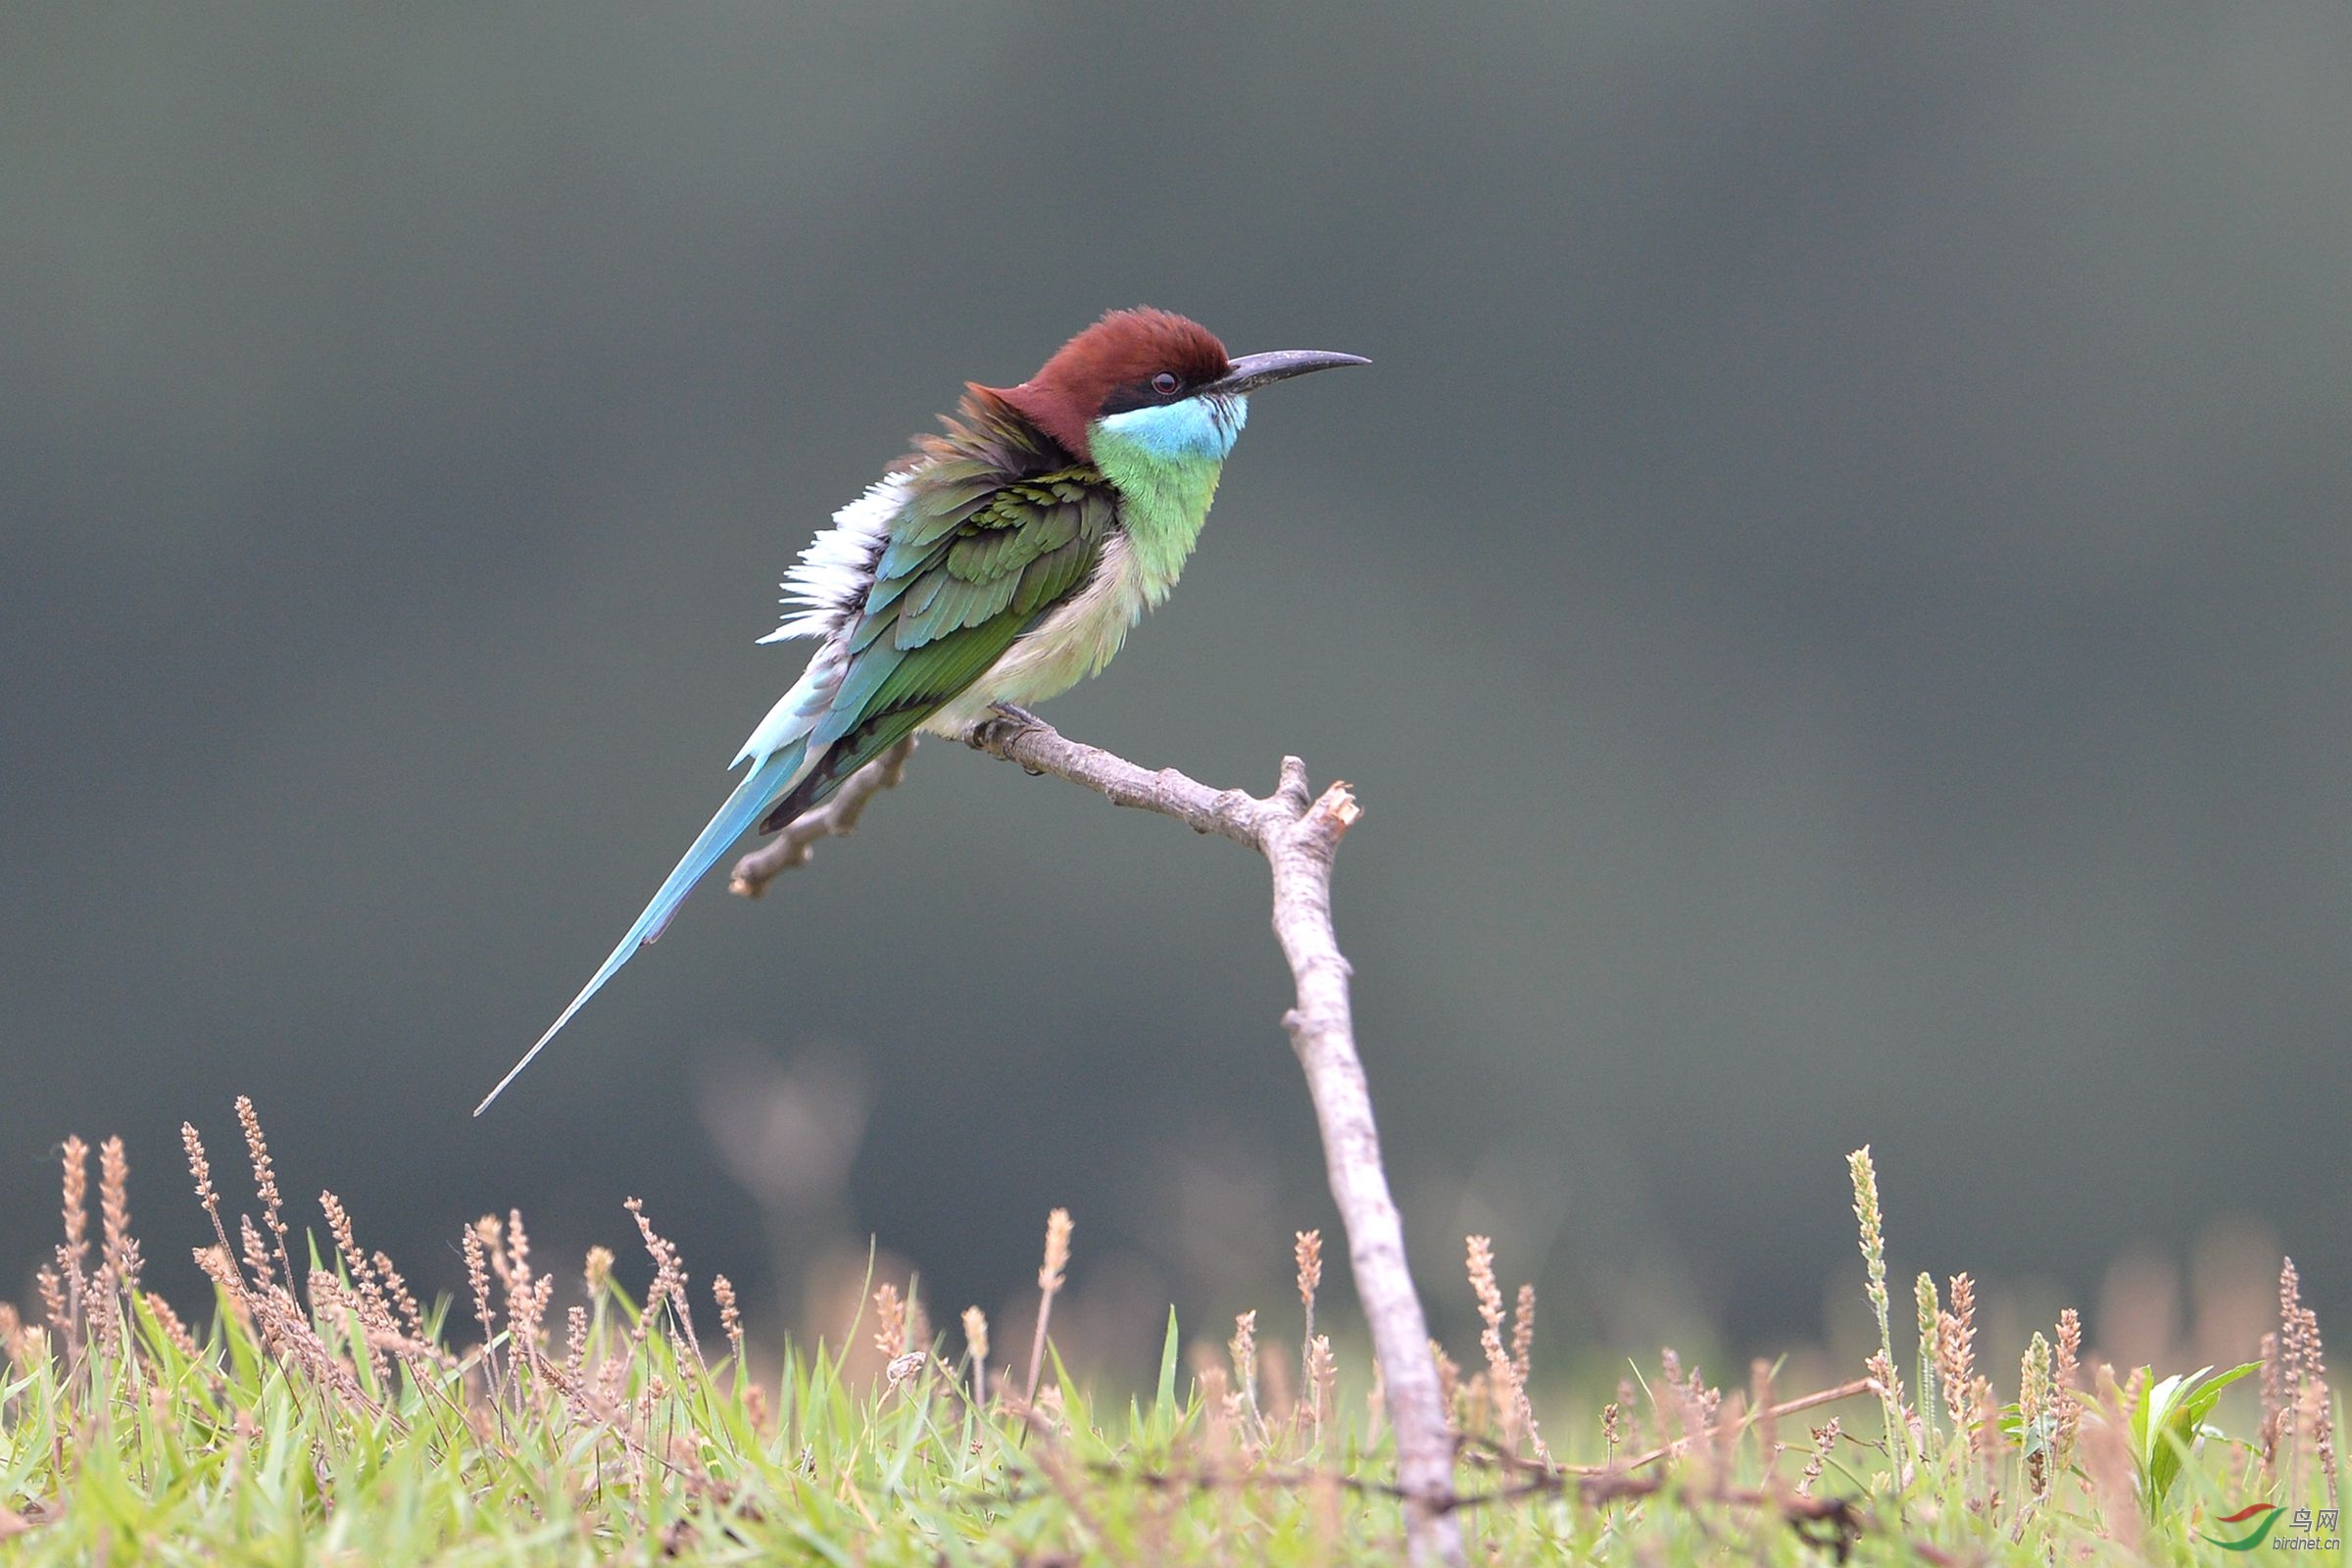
760 789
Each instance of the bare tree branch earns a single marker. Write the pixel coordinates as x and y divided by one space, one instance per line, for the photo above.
836 819
1299 834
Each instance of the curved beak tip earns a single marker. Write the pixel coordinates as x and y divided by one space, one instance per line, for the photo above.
1253 370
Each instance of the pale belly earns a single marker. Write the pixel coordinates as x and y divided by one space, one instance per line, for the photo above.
1065 649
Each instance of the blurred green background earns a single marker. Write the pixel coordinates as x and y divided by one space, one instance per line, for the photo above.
1834 595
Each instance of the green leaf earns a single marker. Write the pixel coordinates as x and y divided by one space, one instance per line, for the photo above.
2168 1419
1163 1403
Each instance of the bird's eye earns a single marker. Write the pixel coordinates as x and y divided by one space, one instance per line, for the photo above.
1165 383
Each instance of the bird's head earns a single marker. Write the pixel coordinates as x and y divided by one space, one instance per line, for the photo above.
1159 380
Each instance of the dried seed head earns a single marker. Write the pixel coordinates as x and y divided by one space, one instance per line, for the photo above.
669 1279
889 1316
597 1273
76 1162
1244 1356
198 1166
2033 1409
2067 1417
975 1334
477 1275
1867 1216
114 1210
1058 1252
53 1300
1323 1377
1307 1251
1955 1352
264 1181
1481 1265
411 1319
730 1318
1825 1438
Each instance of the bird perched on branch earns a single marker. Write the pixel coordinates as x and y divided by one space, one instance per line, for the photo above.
1000 563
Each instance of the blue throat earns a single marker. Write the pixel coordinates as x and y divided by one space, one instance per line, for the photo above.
1195 429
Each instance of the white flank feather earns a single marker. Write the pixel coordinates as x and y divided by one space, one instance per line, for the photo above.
829 582
825 589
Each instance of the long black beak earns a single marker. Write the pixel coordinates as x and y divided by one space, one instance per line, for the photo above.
1254 371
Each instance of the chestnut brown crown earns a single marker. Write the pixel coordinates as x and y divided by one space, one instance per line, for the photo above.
1128 359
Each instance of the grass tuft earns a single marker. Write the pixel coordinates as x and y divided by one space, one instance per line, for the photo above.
324 1415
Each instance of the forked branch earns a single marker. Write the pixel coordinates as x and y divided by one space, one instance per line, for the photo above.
1299 833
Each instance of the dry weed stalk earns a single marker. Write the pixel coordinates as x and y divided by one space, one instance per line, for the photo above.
1930 1321
265 1182
74 1281
730 1318
1867 1216
1244 1361
265 1300
478 1276
976 1340
1825 1438
1048 1285
2066 1386
528 1296
576 1342
2032 1413
1515 1416
890 1318
1322 1381
669 1280
2306 1404
1955 1353
1306 1250
121 1253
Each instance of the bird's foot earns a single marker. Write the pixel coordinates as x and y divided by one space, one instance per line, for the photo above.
1005 725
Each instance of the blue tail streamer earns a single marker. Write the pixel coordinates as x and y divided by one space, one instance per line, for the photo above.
761 789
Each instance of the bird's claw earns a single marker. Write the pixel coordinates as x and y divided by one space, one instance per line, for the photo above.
1006 724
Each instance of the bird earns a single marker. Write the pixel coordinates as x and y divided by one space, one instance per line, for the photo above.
1001 562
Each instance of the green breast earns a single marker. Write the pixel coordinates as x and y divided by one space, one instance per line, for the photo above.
1163 501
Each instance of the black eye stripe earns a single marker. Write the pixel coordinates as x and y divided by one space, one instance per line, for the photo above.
1142 394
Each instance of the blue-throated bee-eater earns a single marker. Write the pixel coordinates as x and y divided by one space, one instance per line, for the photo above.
1000 563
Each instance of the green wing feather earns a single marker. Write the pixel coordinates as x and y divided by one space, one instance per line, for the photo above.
970 565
